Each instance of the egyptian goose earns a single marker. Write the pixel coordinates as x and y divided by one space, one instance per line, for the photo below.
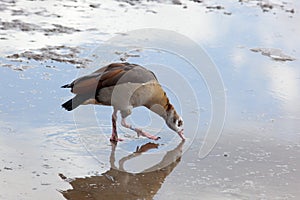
124 86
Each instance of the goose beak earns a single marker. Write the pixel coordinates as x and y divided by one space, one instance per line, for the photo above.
180 133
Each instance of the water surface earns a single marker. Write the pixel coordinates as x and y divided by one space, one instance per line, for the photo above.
43 155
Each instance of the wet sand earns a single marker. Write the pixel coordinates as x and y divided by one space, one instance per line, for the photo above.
47 154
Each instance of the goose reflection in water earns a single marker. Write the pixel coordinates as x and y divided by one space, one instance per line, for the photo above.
118 184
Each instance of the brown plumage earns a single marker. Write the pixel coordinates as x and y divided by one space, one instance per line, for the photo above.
124 86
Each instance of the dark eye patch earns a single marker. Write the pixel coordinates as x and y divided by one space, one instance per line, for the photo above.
180 122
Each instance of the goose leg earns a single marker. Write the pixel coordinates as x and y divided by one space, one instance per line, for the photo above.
139 132
114 134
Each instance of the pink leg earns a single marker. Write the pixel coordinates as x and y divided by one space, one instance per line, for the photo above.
114 134
139 132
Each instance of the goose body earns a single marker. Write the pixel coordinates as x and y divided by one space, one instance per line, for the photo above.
124 86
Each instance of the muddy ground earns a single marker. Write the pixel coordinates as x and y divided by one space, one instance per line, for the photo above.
48 153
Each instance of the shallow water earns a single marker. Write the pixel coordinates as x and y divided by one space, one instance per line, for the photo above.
49 153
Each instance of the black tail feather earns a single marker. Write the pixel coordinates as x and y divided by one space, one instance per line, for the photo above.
66 86
75 102
68 105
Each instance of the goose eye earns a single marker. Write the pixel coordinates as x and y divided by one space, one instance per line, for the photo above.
180 122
